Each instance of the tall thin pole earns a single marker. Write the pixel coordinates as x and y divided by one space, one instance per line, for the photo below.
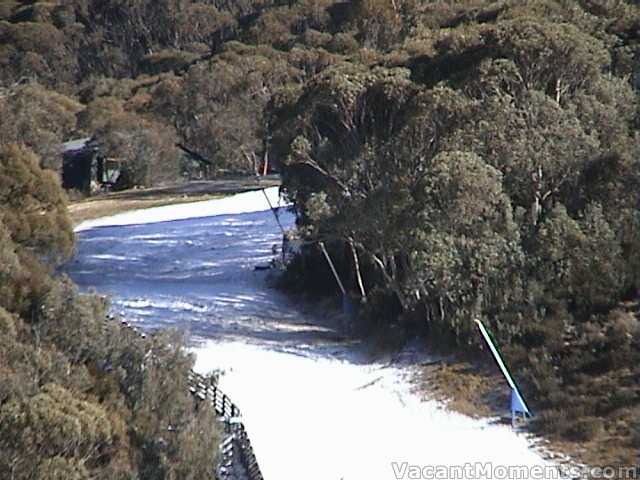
356 263
273 210
333 268
516 395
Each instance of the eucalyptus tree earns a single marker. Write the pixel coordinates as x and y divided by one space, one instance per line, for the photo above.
337 169
370 167
38 118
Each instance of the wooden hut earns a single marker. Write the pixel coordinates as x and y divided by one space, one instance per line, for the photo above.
85 169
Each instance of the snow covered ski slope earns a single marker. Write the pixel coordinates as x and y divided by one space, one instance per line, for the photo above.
314 407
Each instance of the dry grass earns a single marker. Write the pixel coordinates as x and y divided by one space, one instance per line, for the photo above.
476 388
473 390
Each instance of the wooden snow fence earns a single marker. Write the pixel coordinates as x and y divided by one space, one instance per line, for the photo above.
238 461
238 450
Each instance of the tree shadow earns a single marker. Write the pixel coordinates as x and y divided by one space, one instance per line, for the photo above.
198 276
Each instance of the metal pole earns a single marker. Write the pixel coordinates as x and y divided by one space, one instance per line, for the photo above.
515 392
273 210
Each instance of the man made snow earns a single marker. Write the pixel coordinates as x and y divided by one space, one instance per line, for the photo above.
314 406
236 204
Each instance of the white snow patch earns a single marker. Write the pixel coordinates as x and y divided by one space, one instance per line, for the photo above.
322 418
253 201
112 257
174 305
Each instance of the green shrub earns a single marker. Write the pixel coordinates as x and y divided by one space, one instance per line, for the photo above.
7 324
33 206
81 398
166 61
551 421
583 429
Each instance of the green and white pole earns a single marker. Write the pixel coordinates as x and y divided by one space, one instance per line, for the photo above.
518 404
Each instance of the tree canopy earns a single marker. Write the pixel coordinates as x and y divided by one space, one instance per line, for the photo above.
461 159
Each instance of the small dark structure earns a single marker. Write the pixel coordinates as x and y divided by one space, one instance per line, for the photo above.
77 160
85 169
194 165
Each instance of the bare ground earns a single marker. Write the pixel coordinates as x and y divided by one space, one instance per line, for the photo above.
475 387
135 199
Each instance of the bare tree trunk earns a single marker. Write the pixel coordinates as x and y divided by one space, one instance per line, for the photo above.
250 157
394 267
333 268
536 207
265 163
356 263
391 281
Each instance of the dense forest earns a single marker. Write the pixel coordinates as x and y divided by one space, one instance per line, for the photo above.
461 159
485 164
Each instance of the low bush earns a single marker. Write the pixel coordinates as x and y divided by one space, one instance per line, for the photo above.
583 429
81 397
635 435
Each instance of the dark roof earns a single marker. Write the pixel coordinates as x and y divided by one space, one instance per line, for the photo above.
79 145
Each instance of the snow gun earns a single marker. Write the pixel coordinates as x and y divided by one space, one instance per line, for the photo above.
518 406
